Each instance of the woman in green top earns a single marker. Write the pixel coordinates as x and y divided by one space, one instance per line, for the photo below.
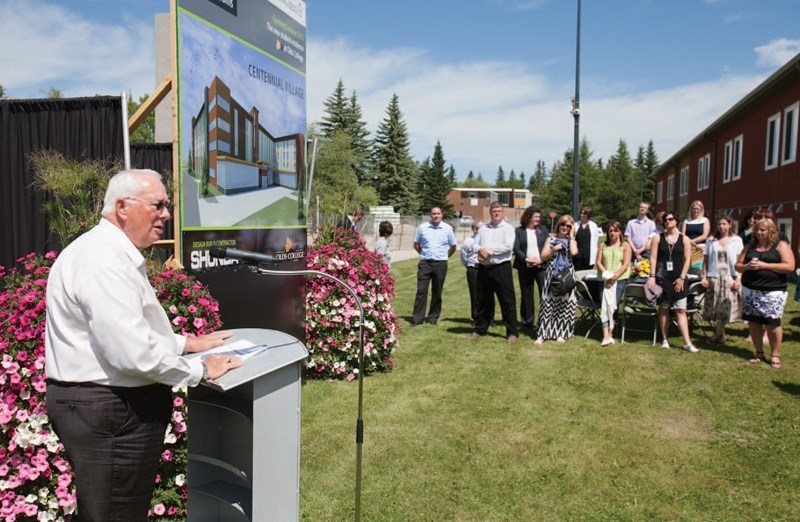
613 266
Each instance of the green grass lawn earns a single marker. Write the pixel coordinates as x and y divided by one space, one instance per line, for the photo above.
273 214
482 430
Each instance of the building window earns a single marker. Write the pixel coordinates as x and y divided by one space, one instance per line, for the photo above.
790 116
235 131
671 187
785 226
703 172
733 160
223 104
660 192
684 188
773 141
737 157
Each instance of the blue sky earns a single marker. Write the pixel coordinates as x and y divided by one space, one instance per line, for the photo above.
491 79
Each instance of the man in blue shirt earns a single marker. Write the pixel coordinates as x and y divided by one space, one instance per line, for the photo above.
435 242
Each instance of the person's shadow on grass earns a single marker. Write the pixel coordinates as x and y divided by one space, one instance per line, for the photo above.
788 387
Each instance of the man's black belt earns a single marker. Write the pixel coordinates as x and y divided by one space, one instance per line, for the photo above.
489 267
65 384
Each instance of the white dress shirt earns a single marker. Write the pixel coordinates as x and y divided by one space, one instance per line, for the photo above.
104 323
469 254
499 239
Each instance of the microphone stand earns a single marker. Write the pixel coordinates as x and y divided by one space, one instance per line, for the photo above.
359 421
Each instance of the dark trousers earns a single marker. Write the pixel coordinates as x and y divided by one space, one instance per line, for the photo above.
429 273
527 307
113 439
472 284
499 280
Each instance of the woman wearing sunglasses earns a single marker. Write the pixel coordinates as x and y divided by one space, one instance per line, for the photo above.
557 314
670 254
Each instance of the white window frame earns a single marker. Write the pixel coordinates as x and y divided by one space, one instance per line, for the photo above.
733 159
660 192
683 189
670 187
785 226
789 141
703 172
772 153
738 147
726 170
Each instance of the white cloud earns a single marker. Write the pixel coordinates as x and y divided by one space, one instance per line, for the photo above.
505 113
43 45
777 52
485 113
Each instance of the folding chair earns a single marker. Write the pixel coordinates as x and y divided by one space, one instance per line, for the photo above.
588 308
694 306
634 304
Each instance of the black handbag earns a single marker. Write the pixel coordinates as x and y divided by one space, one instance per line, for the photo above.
563 282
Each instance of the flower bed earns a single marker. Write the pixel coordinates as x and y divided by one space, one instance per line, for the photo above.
332 316
35 478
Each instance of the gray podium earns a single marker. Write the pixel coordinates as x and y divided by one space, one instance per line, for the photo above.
244 436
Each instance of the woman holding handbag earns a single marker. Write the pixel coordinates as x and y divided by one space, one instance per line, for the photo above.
557 314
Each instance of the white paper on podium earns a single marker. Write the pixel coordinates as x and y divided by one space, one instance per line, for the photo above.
241 348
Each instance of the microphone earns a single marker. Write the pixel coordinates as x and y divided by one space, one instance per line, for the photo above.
245 256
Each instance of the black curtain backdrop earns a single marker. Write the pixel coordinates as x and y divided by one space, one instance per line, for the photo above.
78 128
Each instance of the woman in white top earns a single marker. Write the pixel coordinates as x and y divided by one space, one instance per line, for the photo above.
587 234
723 300
697 228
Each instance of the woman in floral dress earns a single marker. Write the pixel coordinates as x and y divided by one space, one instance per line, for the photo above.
723 299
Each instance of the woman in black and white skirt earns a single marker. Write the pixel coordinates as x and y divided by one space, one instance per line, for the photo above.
764 263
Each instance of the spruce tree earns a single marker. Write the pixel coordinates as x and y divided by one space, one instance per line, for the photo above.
500 180
436 181
620 197
646 162
336 112
356 127
394 172
537 183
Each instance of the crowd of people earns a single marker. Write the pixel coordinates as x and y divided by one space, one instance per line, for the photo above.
743 276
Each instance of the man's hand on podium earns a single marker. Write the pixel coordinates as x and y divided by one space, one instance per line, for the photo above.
202 343
219 365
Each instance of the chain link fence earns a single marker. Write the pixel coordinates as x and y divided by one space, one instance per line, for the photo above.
404 229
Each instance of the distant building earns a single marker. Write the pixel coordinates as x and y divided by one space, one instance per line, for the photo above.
746 159
237 153
474 202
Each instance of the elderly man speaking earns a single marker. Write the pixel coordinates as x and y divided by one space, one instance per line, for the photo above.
111 355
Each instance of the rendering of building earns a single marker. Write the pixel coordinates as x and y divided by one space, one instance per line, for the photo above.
236 152
746 159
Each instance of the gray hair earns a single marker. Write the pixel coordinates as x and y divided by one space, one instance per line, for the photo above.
125 184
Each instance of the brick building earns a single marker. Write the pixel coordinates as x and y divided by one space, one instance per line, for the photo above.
745 159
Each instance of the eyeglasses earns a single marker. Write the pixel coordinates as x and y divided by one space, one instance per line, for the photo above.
669 219
158 207
584 212
565 225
